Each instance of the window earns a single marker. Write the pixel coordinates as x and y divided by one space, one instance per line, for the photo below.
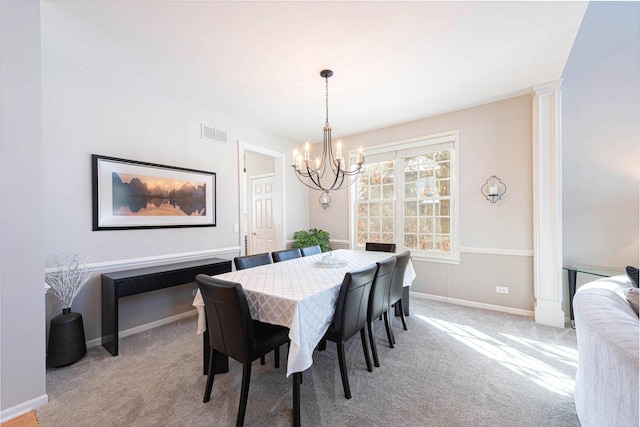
406 193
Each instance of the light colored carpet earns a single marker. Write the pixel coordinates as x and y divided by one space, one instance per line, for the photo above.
455 366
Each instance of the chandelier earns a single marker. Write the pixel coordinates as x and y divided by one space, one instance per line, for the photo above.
330 172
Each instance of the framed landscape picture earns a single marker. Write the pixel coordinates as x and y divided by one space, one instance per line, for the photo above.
130 194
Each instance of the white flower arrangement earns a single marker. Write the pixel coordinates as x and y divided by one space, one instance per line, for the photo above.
67 282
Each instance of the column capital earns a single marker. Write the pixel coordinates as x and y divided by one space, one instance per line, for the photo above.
548 87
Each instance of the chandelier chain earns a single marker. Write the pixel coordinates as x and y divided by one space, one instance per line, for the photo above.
326 120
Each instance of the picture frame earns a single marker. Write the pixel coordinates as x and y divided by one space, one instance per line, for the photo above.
129 194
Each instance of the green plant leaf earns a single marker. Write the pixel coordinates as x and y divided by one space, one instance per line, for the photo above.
312 237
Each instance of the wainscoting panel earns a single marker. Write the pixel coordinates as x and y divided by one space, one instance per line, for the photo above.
476 277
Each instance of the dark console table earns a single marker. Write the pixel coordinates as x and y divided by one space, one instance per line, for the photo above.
120 284
572 273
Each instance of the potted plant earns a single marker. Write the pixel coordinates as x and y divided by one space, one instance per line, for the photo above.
66 343
311 238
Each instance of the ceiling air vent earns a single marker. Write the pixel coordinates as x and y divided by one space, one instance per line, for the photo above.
213 134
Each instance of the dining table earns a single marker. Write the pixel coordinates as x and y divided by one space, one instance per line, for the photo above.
300 294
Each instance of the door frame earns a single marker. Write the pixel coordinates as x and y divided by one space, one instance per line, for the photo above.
250 210
279 170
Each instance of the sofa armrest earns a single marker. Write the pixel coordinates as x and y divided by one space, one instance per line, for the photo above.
607 331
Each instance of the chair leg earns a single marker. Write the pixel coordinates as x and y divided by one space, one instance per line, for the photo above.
374 350
206 350
211 374
276 357
297 380
343 369
388 328
363 338
393 336
244 393
404 323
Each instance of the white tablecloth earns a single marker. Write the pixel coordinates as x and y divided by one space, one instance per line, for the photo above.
300 295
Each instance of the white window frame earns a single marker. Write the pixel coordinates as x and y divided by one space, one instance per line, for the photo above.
399 149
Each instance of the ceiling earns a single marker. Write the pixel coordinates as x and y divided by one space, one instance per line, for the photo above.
259 62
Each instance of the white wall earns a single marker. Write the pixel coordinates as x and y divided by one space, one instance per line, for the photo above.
601 138
86 111
22 337
495 139
258 164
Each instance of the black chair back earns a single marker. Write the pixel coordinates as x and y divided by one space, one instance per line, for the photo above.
352 304
248 261
381 289
397 287
381 247
286 254
311 250
397 282
379 302
233 333
229 322
351 317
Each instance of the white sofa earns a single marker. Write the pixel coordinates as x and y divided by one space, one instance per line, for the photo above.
607 331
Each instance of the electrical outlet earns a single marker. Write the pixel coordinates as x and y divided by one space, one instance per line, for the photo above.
502 289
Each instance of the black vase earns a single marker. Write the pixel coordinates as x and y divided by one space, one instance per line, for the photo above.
66 339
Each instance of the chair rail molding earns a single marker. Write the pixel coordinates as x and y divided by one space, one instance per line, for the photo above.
547 204
151 261
497 251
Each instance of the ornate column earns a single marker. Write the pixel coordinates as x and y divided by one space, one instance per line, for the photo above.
547 204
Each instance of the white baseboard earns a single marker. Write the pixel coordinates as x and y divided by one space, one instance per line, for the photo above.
23 408
518 311
98 341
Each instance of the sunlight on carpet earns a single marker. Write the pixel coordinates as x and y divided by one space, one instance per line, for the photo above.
526 365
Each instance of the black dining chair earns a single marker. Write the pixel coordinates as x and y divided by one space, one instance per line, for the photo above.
381 247
397 287
379 302
248 261
351 317
311 250
286 254
233 333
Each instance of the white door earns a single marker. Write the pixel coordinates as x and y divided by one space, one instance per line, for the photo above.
262 219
